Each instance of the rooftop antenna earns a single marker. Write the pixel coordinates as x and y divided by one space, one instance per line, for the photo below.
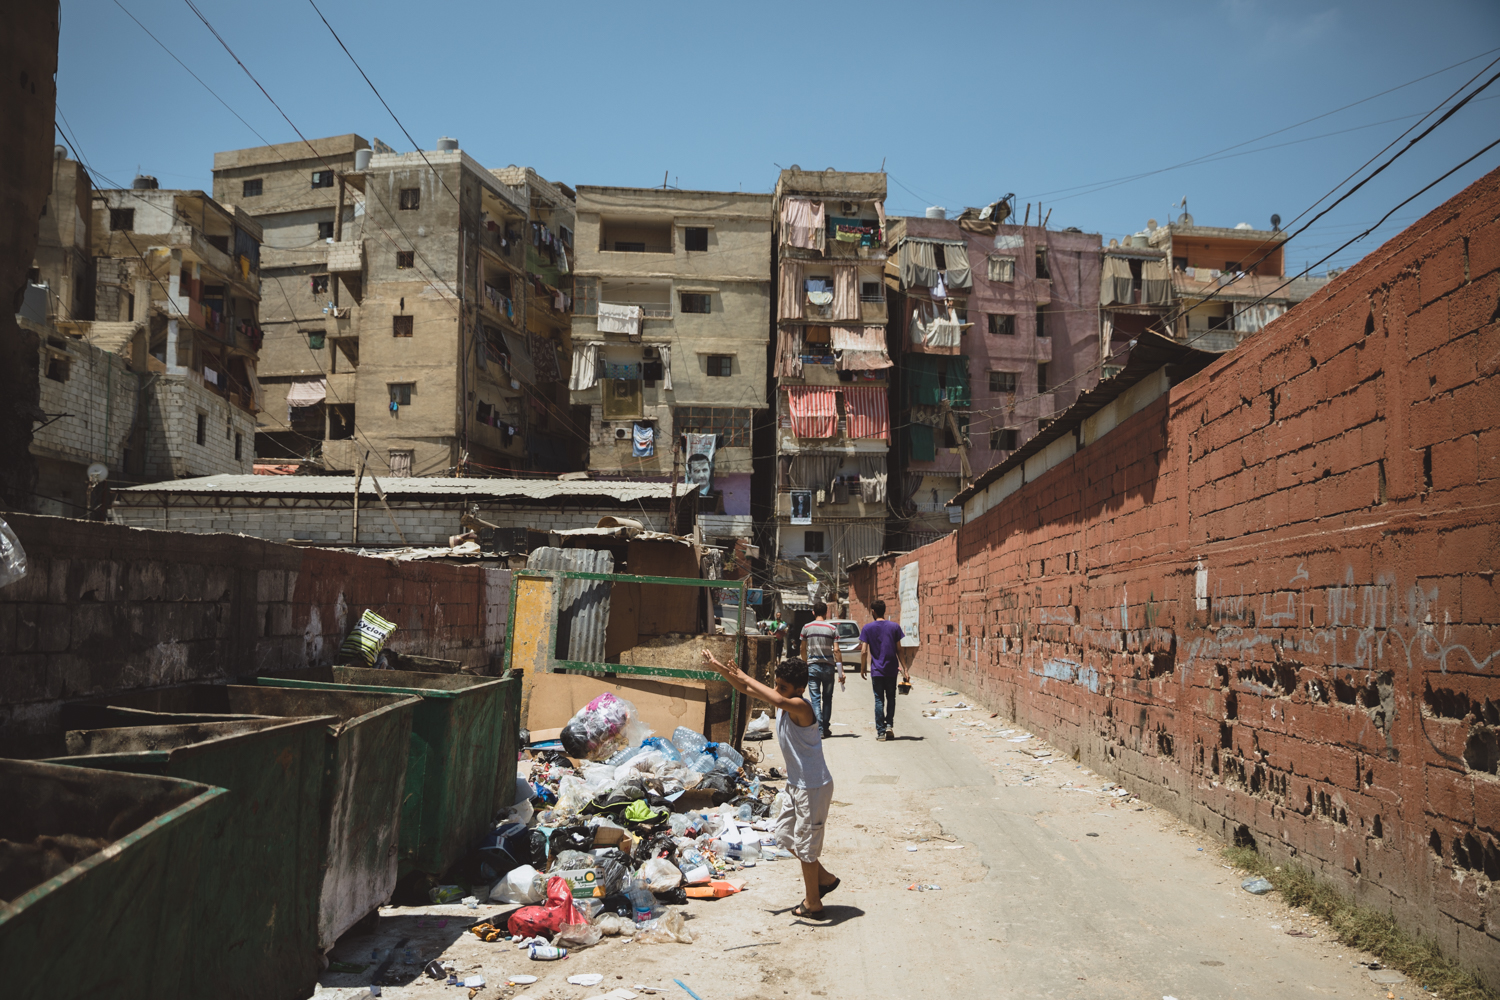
664 180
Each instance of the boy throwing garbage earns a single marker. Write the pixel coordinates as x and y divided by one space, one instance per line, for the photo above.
809 786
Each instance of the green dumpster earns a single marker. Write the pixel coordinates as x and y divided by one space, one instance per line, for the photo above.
254 905
452 792
364 774
95 871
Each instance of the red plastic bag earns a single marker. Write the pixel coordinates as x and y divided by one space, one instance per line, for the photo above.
529 921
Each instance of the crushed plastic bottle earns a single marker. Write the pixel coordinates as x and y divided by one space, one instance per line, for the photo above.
643 903
547 953
689 742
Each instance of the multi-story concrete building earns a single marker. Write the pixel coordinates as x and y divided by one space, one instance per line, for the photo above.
832 429
1205 285
65 244
402 334
670 335
994 329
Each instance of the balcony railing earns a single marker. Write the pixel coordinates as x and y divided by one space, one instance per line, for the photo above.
630 246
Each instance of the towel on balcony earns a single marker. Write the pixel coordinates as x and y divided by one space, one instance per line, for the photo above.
585 367
620 319
820 298
813 411
869 412
935 331
643 441
860 348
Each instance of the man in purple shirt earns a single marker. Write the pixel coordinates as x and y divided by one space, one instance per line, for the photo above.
882 656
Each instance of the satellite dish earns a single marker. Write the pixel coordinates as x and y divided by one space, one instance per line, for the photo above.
98 472
1276 223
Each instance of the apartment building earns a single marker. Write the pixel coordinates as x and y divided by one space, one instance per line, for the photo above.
177 292
65 241
1205 285
994 329
670 334
402 335
832 430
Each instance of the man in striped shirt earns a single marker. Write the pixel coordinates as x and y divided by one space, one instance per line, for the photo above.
820 648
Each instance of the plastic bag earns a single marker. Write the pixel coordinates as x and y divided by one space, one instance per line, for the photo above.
520 885
661 875
760 724
665 929
612 924
572 861
603 726
530 921
584 935
12 556
573 796
366 639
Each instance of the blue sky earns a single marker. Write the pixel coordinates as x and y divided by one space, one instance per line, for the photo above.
962 102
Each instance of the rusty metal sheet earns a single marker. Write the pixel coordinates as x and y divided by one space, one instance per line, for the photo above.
583 605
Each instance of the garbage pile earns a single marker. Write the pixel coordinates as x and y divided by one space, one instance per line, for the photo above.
614 826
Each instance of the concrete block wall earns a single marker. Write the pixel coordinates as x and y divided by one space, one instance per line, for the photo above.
99 400
1268 601
172 449
108 608
421 525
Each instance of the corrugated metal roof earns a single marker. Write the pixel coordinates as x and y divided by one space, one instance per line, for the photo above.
410 487
583 607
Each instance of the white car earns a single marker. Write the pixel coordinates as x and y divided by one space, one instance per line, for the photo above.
848 641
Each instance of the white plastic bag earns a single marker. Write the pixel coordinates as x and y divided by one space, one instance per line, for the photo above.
664 929
604 726
612 924
521 885
573 795
661 875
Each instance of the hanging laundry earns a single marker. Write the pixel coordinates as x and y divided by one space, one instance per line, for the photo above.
802 221
585 367
620 319
813 411
643 441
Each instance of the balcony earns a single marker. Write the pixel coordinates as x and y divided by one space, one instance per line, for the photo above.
634 236
347 257
872 309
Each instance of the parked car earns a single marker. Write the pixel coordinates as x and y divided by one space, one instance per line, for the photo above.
848 641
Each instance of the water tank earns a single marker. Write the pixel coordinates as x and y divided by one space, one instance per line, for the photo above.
447 145
937 212
1139 240
362 160
144 182
1243 225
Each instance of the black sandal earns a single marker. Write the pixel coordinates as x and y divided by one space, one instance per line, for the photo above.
824 890
801 910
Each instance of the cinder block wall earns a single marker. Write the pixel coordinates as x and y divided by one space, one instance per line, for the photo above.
108 608
1333 486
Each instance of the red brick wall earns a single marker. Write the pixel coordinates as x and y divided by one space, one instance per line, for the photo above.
1338 479
107 608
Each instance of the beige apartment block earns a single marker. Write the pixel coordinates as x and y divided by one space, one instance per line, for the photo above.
670 332
400 333
831 357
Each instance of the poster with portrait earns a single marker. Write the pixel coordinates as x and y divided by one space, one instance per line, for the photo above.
802 506
700 461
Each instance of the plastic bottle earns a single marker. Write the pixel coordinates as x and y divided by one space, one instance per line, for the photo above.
729 754
547 953
746 813
643 903
688 742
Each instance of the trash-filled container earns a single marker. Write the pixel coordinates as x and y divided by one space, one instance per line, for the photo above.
452 792
364 780
95 870
253 908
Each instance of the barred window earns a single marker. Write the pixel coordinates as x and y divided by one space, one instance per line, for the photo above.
731 424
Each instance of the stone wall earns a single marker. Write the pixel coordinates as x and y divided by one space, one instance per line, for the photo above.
1267 601
172 448
108 608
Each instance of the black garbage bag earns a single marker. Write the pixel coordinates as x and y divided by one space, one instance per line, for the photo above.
676 896
618 903
720 786
614 870
570 838
512 846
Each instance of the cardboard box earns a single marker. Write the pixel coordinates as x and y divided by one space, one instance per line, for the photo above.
613 836
584 882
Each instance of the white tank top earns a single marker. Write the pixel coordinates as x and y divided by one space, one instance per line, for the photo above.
802 752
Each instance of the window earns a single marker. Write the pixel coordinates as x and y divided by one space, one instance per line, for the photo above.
251 188
322 179
346 358
202 428
696 302
870 291
320 284
341 422
1041 377
401 326
325 230
1179 263
1233 266
1002 324
812 541
1002 269
696 238
940 257
57 369
317 339
406 259
1218 322
401 392
652 372
1041 324
411 198
1042 270
122 219
732 425
239 443
401 463
720 365
1003 439
1002 381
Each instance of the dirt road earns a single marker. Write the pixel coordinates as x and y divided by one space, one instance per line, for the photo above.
1049 886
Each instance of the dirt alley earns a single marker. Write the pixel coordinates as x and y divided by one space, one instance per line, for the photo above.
1049 886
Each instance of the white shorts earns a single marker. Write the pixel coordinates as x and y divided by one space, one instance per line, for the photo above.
799 827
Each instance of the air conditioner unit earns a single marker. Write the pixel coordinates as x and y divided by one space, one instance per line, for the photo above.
650 353
849 207
621 434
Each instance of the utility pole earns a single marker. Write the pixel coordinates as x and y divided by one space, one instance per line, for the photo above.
672 507
360 475
338 235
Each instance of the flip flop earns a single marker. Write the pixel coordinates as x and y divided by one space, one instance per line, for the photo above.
824 890
801 910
